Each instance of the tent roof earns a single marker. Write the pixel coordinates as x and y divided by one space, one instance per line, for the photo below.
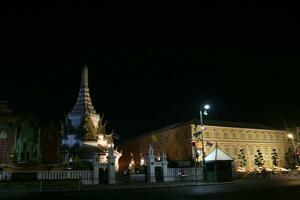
217 154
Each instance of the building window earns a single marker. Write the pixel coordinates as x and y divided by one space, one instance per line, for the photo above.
257 136
225 135
217 135
265 137
206 135
266 151
235 151
251 151
249 136
166 139
227 150
233 134
242 136
271 137
279 151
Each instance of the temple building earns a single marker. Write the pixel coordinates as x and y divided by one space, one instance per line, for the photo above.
6 132
84 132
24 142
178 142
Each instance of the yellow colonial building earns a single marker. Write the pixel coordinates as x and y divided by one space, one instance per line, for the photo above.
176 142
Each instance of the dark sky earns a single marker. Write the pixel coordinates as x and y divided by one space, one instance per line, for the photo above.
150 64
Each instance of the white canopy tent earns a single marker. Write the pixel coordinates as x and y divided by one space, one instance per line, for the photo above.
217 155
218 166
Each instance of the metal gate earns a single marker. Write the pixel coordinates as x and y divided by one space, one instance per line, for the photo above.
103 176
158 174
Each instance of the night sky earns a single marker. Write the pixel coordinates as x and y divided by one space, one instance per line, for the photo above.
240 58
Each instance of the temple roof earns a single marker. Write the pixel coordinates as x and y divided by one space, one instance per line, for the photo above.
83 104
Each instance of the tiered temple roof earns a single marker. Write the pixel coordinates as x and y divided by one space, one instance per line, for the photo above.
83 104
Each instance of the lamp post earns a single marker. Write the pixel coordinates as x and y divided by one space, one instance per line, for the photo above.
203 111
292 137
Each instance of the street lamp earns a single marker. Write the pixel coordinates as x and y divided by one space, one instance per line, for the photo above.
291 136
203 111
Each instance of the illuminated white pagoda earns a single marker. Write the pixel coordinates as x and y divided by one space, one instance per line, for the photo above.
84 132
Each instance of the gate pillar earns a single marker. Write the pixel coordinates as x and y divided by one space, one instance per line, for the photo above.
111 166
151 165
164 167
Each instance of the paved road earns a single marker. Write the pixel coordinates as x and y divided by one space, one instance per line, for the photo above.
255 190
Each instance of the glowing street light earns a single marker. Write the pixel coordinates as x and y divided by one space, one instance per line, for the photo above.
206 107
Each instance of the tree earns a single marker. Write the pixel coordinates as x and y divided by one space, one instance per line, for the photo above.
259 159
275 160
242 158
290 158
88 130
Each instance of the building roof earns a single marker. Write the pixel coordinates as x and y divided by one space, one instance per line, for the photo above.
210 123
234 124
217 155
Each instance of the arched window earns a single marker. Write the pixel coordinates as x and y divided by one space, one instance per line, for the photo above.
257 136
249 136
242 136
264 137
217 135
233 135
225 135
271 137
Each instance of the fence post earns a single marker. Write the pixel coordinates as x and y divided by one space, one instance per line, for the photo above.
41 185
79 183
180 178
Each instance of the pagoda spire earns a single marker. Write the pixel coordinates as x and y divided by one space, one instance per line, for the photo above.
85 76
83 104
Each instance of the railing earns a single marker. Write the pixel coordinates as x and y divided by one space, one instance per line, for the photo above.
5 176
84 175
185 171
183 174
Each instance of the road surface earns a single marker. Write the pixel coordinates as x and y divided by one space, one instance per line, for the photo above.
285 189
